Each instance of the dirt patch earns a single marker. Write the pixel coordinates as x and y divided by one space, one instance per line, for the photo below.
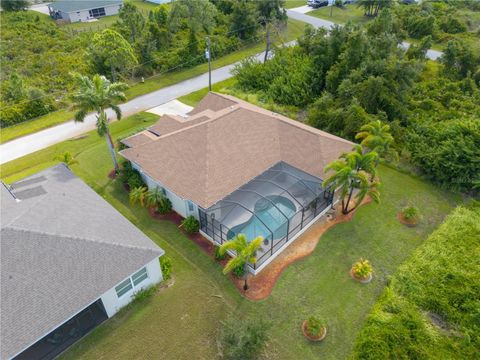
261 285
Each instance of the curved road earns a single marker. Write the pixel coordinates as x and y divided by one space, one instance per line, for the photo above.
28 144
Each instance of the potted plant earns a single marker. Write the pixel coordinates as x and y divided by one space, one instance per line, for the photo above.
362 271
314 329
409 215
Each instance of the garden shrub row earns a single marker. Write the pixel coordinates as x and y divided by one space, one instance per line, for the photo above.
431 308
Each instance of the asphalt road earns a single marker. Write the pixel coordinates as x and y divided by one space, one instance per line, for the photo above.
30 143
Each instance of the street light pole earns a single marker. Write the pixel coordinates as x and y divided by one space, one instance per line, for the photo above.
208 56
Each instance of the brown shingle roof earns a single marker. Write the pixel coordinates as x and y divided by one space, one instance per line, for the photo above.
209 159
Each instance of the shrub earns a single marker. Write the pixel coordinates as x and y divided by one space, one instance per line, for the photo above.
243 339
239 271
191 225
144 293
164 206
135 180
362 269
166 266
410 213
314 326
218 255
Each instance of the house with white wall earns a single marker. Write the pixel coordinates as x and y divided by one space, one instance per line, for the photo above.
82 11
69 261
239 168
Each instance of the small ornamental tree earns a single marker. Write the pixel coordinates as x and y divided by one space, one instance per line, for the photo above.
67 158
137 195
362 269
244 253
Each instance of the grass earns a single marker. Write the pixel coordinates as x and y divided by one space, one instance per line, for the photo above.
294 30
340 15
290 4
185 319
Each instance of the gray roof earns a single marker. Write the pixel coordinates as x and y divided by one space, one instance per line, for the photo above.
62 247
68 6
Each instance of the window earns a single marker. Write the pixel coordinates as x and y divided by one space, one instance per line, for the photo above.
97 12
139 276
124 287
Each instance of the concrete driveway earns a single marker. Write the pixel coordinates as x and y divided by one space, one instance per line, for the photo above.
41 8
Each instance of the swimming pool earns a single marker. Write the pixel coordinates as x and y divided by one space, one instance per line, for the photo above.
269 212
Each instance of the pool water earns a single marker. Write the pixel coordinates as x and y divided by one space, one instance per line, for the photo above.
268 214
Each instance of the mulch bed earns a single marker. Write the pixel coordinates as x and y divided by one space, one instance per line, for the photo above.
409 223
112 174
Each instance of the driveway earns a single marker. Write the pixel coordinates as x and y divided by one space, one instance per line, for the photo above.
41 8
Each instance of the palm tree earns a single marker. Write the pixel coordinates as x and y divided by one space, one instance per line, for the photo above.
153 197
361 160
348 177
98 94
376 136
245 253
137 195
67 158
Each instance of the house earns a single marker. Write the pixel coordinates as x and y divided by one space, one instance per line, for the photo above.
81 11
69 261
239 168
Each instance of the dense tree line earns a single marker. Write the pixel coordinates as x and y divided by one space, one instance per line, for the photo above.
355 75
41 56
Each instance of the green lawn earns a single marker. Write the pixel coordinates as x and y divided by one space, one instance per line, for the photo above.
290 4
294 30
185 319
340 15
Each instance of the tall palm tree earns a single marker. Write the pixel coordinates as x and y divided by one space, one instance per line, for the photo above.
347 178
98 94
67 158
376 136
361 160
244 253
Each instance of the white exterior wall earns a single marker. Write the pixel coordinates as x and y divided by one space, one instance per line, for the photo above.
179 205
84 15
112 303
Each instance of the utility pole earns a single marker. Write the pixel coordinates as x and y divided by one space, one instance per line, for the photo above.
267 38
207 55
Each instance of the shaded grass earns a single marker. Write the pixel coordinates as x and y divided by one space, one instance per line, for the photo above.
185 319
294 30
341 15
290 4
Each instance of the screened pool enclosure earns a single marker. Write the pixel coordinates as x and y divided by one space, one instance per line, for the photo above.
275 205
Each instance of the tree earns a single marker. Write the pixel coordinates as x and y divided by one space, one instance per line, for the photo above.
98 94
372 7
376 136
192 14
244 19
459 59
155 197
137 195
272 13
131 21
67 158
14 5
111 51
349 178
244 253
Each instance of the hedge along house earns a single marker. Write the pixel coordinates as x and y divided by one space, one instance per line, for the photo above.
238 169
83 10
69 261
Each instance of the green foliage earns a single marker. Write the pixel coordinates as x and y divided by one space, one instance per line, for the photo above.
135 180
411 213
144 294
244 19
459 59
217 254
195 15
166 266
362 269
243 339
190 225
239 271
164 206
245 252
314 325
14 5
67 158
372 7
430 309
448 151
137 195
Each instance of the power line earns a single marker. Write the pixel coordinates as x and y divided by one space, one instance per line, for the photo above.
137 82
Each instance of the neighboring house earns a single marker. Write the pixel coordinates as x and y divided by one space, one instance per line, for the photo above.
69 261
239 168
80 11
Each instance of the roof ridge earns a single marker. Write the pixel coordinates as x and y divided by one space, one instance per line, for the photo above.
79 238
